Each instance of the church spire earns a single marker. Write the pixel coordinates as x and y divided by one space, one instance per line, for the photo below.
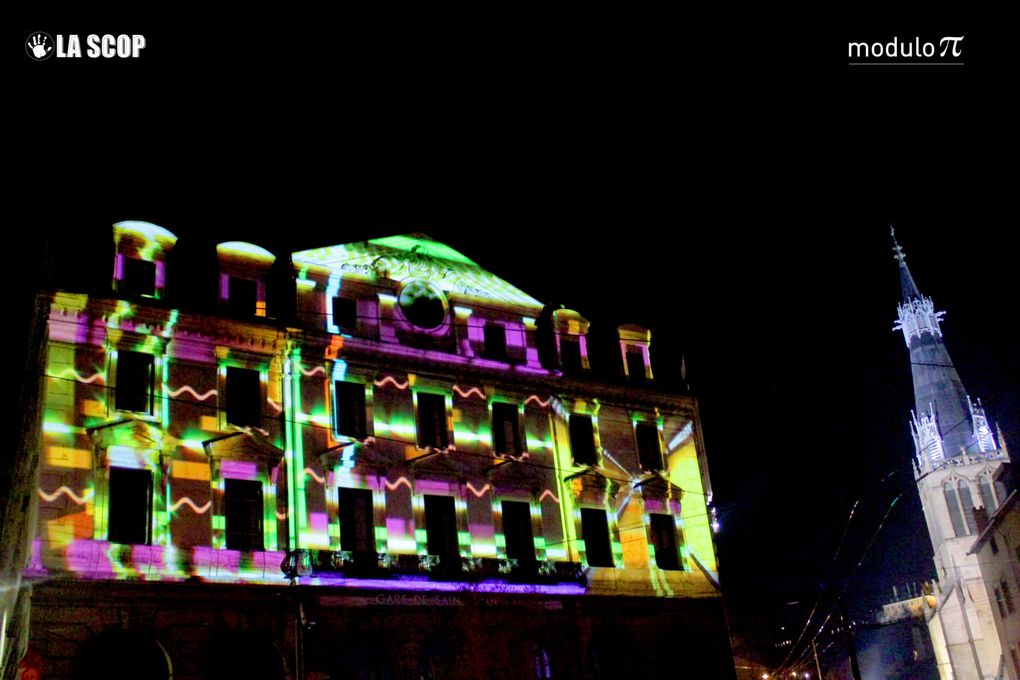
945 423
917 315
907 284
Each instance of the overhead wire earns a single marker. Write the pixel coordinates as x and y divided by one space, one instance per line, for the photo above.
850 576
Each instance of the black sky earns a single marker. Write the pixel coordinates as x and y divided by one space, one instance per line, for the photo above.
728 185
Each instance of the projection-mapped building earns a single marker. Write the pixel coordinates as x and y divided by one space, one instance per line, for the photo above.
412 472
958 468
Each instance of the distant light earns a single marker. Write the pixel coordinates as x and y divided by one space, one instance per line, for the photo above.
764 676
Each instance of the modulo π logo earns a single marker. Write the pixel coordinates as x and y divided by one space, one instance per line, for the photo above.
909 52
40 46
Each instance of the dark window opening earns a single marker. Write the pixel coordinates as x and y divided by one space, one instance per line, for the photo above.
244 512
441 531
130 505
1000 603
350 409
649 449
357 528
432 421
582 440
993 545
139 277
1007 595
495 341
506 429
242 296
595 532
570 355
134 382
520 541
664 539
635 364
345 314
244 397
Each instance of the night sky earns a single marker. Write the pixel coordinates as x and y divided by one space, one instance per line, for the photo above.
730 187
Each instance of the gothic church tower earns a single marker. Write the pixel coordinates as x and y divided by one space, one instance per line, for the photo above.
955 468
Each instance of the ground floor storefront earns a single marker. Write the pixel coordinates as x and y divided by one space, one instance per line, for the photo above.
202 630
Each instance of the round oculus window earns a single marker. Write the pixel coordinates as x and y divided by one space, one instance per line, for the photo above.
422 305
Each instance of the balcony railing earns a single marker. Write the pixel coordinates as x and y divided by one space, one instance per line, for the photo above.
377 565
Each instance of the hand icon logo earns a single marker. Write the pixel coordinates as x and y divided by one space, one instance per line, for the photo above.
38 46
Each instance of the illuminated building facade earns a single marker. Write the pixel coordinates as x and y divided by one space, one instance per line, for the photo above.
400 477
956 468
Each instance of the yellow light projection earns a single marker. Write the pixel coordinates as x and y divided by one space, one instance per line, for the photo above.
685 472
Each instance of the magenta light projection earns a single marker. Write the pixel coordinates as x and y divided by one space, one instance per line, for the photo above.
421 449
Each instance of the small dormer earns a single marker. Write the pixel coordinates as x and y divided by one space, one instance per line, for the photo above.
243 271
634 350
139 266
571 331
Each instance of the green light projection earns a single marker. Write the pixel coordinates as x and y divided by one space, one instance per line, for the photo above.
78 400
415 257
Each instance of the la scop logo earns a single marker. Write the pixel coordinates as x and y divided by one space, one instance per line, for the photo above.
40 46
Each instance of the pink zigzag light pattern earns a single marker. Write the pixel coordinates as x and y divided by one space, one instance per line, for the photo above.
64 491
190 390
78 376
548 492
191 504
395 485
311 473
478 492
315 371
391 379
473 390
535 398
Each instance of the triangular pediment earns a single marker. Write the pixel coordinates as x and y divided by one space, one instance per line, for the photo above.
660 488
131 432
512 474
414 257
437 463
245 446
592 485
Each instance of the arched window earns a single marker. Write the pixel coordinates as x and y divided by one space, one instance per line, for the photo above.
955 514
968 506
987 496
